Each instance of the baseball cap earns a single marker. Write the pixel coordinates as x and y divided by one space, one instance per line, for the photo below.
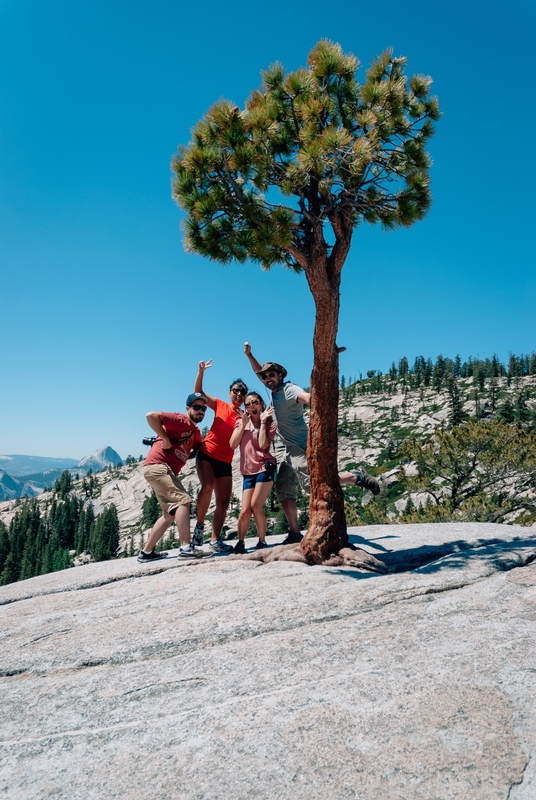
195 396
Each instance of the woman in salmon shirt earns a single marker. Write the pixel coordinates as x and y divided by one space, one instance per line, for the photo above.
254 433
214 459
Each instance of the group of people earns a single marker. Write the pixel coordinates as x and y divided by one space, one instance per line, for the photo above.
252 428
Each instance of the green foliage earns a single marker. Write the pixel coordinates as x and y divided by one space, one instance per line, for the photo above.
104 536
482 470
40 537
63 486
312 147
150 511
457 414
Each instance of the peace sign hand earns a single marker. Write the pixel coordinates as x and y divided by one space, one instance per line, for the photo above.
203 365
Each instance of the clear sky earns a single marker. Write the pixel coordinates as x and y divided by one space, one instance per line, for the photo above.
103 316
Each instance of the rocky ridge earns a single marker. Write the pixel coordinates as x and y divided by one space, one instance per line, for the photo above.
368 425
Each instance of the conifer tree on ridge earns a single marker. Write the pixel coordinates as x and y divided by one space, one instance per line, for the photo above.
287 181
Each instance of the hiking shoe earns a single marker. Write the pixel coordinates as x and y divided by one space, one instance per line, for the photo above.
260 545
219 547
293 538
143 558
198 534
362 478
192 552
239 547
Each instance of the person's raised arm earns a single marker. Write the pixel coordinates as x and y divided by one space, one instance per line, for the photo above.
154 420
255 365
198 386
238 432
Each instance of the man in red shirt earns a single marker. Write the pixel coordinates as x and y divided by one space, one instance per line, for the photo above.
178 438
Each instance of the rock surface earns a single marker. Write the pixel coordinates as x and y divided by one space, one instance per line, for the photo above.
230 679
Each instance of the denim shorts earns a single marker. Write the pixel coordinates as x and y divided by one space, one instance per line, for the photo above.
261 477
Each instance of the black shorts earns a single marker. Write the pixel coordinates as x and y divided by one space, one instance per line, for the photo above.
221 469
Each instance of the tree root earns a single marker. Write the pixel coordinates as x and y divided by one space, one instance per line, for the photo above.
347 557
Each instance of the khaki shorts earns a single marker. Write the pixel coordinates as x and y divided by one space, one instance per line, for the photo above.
168 489
291 473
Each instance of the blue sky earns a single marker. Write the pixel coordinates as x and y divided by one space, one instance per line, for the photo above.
103 316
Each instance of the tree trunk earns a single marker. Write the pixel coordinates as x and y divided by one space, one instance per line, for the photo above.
327 526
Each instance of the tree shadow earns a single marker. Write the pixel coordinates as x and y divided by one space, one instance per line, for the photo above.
432 556
359 540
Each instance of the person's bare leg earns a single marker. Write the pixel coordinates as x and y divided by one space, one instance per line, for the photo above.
158 530
182 521
260 495
360 478
290 509
223 488
205 474
245 514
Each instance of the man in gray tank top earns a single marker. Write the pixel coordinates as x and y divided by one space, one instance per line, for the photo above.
288 401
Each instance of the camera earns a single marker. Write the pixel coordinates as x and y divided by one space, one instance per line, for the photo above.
149 441
270 469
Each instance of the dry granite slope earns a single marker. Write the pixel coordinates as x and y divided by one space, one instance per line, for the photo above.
228 680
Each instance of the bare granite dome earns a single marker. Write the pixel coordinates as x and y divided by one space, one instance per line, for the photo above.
229 680
102 457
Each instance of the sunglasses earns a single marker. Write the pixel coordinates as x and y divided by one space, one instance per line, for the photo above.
270 374
238 391
197 407
251 403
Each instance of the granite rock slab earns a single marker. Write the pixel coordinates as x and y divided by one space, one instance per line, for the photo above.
233 679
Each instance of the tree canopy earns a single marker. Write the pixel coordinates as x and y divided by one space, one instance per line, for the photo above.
311 146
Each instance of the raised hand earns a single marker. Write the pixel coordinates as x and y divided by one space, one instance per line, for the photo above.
247 348
203 365
267 413
244 416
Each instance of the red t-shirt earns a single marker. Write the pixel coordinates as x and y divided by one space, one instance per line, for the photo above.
183 435
216 442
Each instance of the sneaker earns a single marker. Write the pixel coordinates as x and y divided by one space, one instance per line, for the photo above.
219 547
293 538
239 547
143 558
362 478
192 552
198 534
260 545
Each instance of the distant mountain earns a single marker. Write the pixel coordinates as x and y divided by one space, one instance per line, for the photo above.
28 476
11 488
17 465
100 459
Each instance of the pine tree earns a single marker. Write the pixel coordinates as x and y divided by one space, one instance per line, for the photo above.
457 414
63 486
104 537
150 511
336 154
4 545
507 411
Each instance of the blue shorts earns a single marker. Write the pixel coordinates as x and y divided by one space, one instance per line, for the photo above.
262 477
